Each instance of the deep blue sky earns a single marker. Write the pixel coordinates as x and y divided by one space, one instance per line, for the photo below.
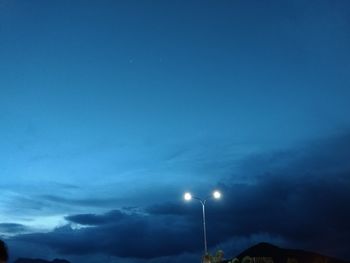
110 110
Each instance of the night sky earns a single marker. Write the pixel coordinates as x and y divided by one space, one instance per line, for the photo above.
111 110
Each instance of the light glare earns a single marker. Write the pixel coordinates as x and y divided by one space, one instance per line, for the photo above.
217 195
188 196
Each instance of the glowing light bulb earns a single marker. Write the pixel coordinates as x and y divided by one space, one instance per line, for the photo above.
187 196
216 194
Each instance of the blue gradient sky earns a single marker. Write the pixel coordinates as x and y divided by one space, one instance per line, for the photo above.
113 104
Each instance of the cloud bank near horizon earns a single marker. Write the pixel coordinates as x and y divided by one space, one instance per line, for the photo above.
294 198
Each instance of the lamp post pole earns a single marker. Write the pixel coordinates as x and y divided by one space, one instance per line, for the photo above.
204 228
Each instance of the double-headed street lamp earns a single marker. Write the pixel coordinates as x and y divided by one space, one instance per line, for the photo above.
215 195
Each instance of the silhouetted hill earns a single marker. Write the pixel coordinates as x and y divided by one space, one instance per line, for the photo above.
30 260
282 255
259 251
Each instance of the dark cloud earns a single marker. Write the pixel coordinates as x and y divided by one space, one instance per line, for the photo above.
120 234
12 228
300 197
93 219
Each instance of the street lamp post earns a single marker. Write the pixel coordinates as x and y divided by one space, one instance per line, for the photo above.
216 195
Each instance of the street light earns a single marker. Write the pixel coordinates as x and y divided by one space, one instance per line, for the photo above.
216 195
188 196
